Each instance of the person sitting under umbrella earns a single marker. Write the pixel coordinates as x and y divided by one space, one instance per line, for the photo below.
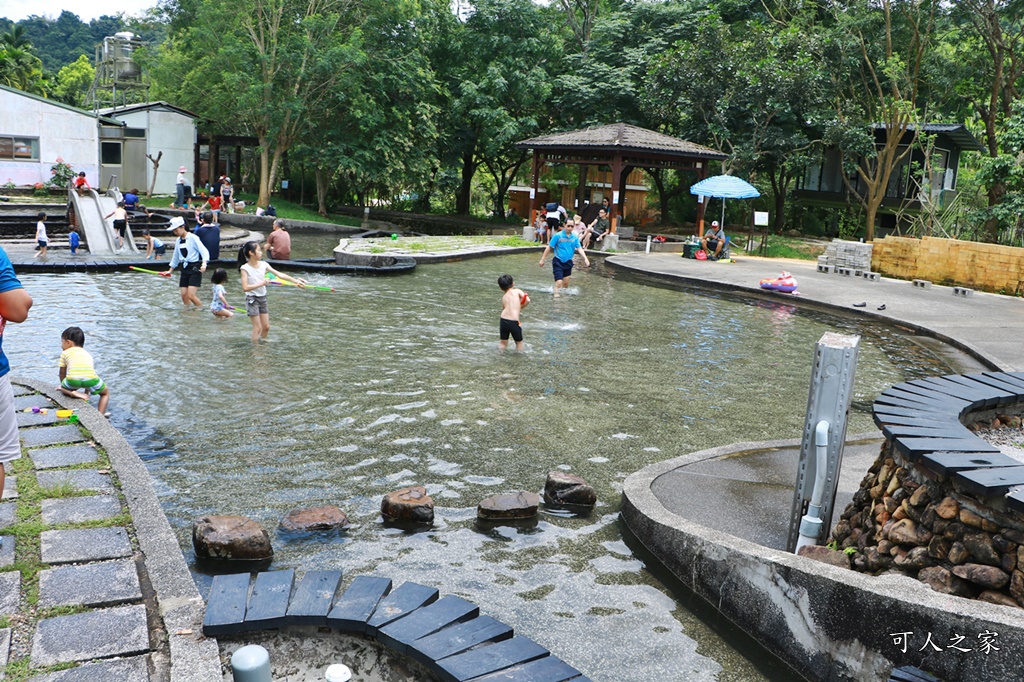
714 239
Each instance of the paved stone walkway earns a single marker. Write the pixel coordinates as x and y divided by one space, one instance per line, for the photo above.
77 584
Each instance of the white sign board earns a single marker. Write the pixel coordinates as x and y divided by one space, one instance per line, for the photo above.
761 218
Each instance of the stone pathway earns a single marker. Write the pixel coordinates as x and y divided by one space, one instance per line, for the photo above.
71 574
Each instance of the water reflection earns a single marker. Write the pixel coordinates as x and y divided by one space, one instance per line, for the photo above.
396 381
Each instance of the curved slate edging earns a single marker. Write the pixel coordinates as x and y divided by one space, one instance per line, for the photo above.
828 623
923 419
447 635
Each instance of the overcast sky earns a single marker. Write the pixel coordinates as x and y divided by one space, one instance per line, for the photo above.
85 9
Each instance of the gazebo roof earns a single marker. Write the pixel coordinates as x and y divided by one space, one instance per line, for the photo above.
620 137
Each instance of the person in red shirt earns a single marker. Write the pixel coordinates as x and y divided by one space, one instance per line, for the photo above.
213 203
279 242
81 184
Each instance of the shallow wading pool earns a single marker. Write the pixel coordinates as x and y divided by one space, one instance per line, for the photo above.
396 381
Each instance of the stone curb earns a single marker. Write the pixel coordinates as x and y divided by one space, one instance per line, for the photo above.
193 657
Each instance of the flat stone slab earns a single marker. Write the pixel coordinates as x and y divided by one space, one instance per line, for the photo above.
5 646
21 390
30 400
78 509
10 592
51 435
100 584
117 631
79 479
90 544
65 456
25 419
10 488
134 669
8 514
7 551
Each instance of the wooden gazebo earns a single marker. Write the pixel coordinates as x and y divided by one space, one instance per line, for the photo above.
623 147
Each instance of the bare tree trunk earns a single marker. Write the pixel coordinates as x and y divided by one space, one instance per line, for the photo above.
156 167
462 200
321 192
264 193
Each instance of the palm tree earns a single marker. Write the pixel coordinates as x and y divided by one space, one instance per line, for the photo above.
16 37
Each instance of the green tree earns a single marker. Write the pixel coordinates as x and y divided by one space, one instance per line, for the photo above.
73 82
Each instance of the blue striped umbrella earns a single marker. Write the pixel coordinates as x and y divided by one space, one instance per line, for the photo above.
725 187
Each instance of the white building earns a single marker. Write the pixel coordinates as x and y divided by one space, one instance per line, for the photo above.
35 132
153 127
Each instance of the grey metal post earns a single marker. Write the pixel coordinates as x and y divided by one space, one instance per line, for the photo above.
835 363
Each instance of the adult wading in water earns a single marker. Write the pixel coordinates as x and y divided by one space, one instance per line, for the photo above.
192 256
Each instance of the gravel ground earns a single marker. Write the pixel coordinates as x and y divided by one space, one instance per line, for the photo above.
1009 441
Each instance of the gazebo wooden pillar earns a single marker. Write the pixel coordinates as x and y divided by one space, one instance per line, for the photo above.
621 147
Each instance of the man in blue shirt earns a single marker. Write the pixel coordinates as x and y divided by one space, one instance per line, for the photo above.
564 243
131 200
209 235
14 306
192 255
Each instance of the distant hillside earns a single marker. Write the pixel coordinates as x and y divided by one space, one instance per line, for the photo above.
60 41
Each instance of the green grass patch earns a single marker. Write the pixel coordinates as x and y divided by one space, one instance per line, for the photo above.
515 241
21 670
293 211
787 247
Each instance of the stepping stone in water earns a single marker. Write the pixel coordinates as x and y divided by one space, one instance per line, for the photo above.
91 544
79 509
79 479
99 584
10 592
118 631
51 435
66 456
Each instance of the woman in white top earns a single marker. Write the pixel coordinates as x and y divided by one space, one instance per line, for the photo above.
254 284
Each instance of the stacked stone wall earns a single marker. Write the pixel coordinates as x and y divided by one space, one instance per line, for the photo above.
908 519
987 267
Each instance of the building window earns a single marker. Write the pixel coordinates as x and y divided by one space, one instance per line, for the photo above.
19 148
110 153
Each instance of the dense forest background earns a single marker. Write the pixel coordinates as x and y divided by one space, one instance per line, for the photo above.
410 104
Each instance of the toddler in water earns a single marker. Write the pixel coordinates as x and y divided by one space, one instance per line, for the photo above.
219 306
41 239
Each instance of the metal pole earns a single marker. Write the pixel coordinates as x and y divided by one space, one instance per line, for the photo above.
835 363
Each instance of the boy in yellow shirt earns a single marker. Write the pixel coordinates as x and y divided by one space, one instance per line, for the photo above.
78 377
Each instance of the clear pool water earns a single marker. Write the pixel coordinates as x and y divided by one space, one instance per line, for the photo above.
396 381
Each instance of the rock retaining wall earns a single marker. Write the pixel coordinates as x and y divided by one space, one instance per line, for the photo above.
909 520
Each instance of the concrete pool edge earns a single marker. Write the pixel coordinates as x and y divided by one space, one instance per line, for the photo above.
825 622
193 657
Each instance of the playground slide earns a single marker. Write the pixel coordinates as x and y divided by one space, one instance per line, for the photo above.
97 230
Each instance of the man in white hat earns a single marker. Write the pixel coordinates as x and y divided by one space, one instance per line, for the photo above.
714 239
179 188
192 256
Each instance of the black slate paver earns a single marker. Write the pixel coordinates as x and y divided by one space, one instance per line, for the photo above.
29 400
51 435
990 482
947 462
426 621
312 599
489 658
406 598
117 631
79 509
8 514
78 479
7 551
268 603
459 638
950 430
355 606
65 456
134 669
103 583
89 544
946 386
27 419
915 447
225 608
995 395
1017 392
1015 500
10 592
549 669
